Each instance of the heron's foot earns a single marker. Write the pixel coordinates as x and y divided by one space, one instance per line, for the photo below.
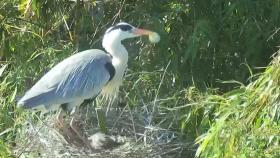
74 125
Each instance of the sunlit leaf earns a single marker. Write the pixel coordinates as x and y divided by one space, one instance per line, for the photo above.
2 69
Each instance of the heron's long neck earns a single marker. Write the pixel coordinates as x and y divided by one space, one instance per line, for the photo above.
119 61
118 52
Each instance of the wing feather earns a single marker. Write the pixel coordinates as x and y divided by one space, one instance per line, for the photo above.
80 76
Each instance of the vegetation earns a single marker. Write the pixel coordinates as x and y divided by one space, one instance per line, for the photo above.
205 71
246 120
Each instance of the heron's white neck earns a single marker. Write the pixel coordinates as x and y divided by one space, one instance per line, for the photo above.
119 61
117 50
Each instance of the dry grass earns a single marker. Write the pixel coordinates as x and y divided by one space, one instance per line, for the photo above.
125 126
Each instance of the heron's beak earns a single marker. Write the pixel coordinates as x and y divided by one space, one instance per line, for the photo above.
140 32
153 36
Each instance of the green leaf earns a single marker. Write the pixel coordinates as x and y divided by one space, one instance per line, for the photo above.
13 96
2 69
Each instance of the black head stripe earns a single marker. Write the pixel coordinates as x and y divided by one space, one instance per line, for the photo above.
123 27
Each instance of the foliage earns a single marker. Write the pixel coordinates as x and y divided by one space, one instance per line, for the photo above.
246 120
202 42
210 40
4 151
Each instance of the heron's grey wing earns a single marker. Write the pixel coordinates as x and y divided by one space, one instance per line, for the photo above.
80 76
85 81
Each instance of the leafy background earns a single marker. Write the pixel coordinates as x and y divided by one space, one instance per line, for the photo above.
203 43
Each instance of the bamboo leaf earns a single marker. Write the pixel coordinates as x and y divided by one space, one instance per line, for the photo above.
2 69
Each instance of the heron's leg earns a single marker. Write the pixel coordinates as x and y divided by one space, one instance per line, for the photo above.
75 123
60 117
75 128
63 128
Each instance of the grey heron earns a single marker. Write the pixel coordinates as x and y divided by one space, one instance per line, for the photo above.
86 74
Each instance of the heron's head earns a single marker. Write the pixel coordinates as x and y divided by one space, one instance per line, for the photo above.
123 31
